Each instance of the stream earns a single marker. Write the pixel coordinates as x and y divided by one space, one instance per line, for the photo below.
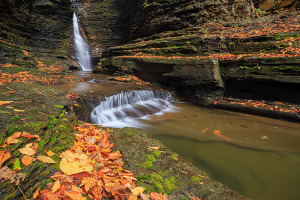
255 156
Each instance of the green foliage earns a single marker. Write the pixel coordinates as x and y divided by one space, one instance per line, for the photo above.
158 182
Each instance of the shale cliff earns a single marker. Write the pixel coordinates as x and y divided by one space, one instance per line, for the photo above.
206 50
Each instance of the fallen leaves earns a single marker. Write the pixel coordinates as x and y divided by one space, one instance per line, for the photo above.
93 165
13 177
70 168
218 133
27 160
4 156
29 136
45 159
27 150
276 105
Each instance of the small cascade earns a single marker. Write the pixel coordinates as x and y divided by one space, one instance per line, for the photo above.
126 106
82 48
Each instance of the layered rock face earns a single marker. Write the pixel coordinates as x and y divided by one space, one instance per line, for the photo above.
38 23
255 52
41 27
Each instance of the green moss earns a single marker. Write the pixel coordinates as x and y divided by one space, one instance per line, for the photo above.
196 179
156 153
174 156
158 182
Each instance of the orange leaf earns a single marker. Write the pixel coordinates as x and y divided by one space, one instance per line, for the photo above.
37 192
218 133
29 136
27 160
132 197
4 156
74 195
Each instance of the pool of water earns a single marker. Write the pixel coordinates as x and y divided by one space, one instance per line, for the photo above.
255 156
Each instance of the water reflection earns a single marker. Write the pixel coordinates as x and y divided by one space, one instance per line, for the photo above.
261 161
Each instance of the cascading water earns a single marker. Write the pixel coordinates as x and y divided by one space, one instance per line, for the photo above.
121 109
82 48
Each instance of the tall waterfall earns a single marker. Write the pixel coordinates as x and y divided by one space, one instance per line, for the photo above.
82 48
120 108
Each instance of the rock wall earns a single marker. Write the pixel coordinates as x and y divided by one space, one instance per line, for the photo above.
37 23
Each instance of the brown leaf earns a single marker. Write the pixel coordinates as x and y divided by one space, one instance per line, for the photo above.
144 196
45 159
4 156
158 196
13 177
29 136
62 177
27 160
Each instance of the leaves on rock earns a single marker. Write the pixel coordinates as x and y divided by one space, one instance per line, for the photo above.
70 168
27 160
56 186
29 136
93 165
27 150
4 156
13 177
45 159
17 165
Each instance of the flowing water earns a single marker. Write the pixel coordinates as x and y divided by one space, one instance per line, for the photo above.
255 156
81 47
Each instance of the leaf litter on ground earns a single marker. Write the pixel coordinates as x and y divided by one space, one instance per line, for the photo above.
91 168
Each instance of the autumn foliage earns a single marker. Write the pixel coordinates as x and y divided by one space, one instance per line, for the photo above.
91 167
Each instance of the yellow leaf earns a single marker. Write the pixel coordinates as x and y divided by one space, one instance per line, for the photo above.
89 183
27 150
70 168
137 190
50 153
45 159
56 186
37 192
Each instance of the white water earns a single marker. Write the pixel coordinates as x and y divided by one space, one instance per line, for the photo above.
82 48
126 108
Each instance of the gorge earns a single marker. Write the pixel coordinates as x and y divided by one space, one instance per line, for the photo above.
178 70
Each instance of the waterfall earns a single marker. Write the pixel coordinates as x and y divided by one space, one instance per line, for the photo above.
82 48
126 106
